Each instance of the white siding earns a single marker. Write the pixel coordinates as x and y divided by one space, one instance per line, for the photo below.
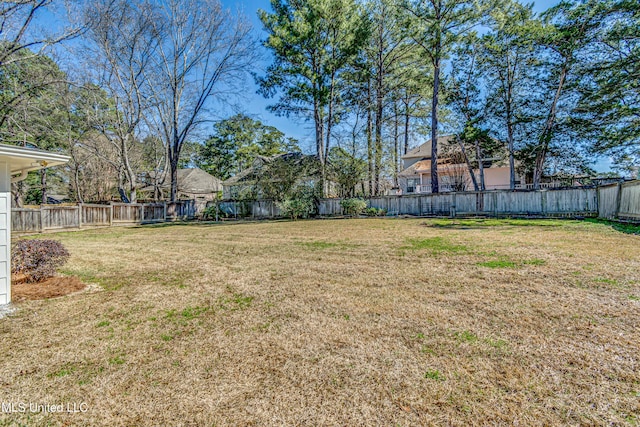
5 234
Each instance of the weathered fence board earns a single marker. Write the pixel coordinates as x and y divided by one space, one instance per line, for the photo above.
608 201
153 212
329 207
60 217
570 201
95 215
126 212
184 209
26 220
629 206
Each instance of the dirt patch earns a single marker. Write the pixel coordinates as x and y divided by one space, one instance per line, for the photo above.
50 288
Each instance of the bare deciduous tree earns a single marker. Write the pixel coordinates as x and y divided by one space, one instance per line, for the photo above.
124 41
203 52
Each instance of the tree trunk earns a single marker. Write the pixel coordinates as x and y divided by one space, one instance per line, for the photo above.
378 143
76 181
468 162
174 178
319 125
434 121
545 137
510 142
131 176
121 190
396 145
480 157
43 185
328 138
406 125
370 138
17 189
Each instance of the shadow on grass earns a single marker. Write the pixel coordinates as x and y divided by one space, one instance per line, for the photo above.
470 224
196 223
622 227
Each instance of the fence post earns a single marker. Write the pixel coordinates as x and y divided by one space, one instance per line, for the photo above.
79 215
618 200
110 214
453 206
543 201
42 222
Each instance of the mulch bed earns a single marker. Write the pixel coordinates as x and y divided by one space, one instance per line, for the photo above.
49 288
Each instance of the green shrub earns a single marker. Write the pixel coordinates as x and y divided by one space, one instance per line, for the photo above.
375 212
37 259
210 213
297 208
353 206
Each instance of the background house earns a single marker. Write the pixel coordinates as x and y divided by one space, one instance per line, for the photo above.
193 184
453 172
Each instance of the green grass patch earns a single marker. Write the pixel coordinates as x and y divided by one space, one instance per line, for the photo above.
506 263
117 360
493 222
434 374
498 264
634 298
622 227
237 301
496 343
607 281
436 245
63 372
193 312
466 336
534 261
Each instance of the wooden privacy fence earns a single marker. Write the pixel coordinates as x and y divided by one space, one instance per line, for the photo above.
51 217
569 202
620 201
614 201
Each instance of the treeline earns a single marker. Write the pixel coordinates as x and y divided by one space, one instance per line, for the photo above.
142 80
555 89
552 90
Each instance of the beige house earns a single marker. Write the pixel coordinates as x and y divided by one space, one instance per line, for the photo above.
453 173
193 184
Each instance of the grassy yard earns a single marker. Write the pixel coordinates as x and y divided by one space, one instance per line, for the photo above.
337 322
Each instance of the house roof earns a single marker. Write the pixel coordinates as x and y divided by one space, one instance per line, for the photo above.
261 161
423 151
23 159
194 181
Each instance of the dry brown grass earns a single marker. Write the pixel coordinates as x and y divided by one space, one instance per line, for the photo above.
349 322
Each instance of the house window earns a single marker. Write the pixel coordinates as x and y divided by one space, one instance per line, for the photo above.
411 185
